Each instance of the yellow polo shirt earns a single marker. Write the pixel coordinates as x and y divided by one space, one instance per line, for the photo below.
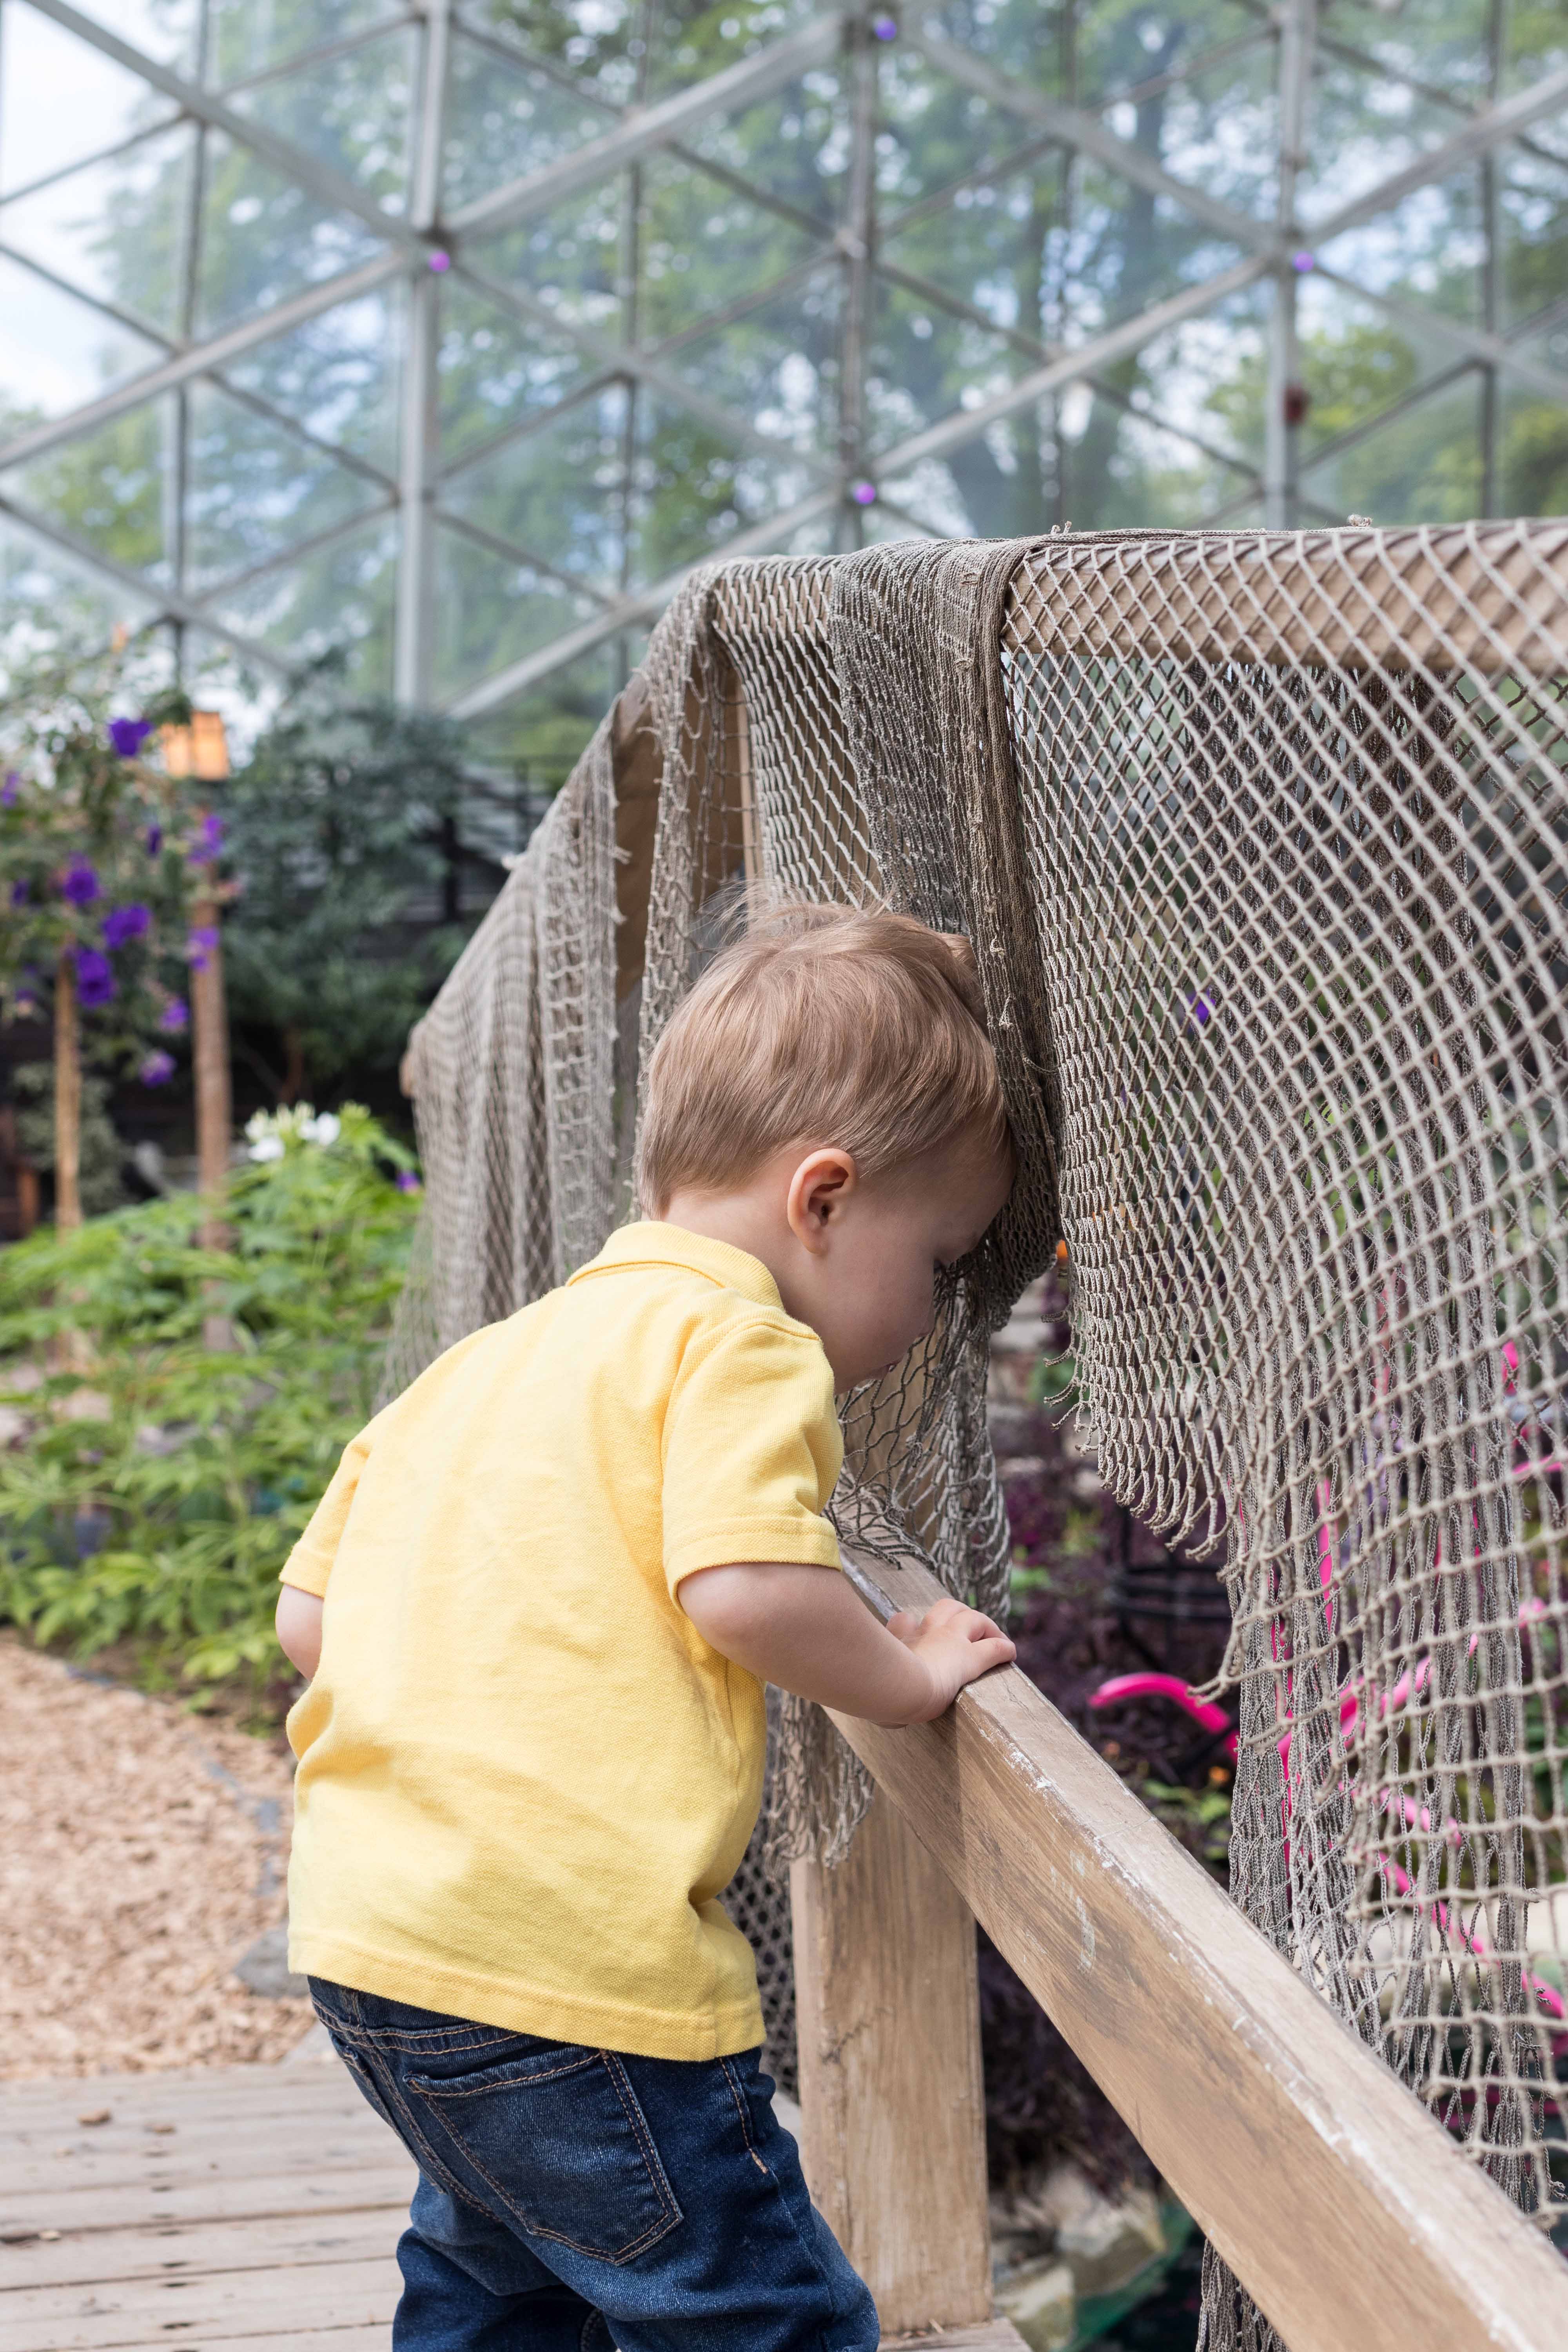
524 1777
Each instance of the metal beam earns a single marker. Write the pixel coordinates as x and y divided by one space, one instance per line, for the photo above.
935 442
1487 128
1472 342
164 604
294 163
1100 351
419 423
655 126
633 612
628 359
202 359
1074 128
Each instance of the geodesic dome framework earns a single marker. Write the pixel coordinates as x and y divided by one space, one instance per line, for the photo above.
459 332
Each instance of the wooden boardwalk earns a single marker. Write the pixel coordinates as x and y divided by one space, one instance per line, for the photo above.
255 2207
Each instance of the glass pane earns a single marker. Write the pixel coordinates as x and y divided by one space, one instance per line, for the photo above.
168 31
255 490
539 734
57 353
105 489
47 595
490 611
1423 465
245 40
337 596
263 238
1355 364
351 114
568 258
1364 127
495 370
62 100
1532 448
778 363
504 121
692 490
117 229
337 375
1532 203
703 246
794 144
556 493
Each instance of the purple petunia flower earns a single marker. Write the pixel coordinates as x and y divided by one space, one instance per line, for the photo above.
208 843
174 1017
10 793
128 735
81 885
20 894
154 839
95 983
123 924
157 1069
201 946
407 1181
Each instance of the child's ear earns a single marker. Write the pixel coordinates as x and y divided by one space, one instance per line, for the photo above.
818 1191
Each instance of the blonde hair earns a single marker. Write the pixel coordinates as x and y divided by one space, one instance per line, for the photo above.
821 1025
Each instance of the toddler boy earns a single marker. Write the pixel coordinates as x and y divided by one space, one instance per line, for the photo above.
539 1604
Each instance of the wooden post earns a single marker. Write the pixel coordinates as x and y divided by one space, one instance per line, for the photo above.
67 1097
215 1099
891 2096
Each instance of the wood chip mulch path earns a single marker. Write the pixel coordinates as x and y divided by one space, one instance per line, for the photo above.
143 1851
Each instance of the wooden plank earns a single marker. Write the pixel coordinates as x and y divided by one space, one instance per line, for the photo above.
991 2336
207 2310
271 2090
345 2144
1334 2195
887 2028
1489 597
96 2257
218 2197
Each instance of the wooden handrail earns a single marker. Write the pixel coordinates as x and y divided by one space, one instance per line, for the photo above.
1341 2204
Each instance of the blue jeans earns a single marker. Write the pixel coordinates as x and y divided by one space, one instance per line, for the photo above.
576 2200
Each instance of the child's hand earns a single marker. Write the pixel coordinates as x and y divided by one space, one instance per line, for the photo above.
955 1645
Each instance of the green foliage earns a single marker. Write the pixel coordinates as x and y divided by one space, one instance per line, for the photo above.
94 850
334 824
155 1493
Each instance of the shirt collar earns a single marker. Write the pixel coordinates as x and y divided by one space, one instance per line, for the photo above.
656 1244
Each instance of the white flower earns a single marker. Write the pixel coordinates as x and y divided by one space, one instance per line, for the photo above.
265 1147
325 1130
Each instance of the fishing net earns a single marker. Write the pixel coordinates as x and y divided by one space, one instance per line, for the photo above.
1262 840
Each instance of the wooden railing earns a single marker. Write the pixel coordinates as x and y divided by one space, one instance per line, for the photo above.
1344 2208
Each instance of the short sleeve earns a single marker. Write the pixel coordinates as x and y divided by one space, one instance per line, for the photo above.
752 1452
310 1564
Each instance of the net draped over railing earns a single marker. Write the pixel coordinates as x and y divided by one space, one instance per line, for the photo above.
1262 841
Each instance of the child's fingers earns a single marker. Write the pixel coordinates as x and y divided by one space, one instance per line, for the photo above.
992 1650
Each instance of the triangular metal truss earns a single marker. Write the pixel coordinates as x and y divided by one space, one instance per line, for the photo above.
393 313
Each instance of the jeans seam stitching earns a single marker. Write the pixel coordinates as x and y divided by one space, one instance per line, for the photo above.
651 2158
458 2089
429 2156
739 2096
667 2218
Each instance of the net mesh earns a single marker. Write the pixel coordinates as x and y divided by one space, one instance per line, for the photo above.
1262 840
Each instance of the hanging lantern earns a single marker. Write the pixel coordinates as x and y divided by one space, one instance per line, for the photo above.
200 750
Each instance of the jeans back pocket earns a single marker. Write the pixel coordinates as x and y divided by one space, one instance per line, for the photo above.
560 2141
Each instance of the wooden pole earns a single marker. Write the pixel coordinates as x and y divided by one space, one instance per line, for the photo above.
892 2100
67 1097
215 1099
